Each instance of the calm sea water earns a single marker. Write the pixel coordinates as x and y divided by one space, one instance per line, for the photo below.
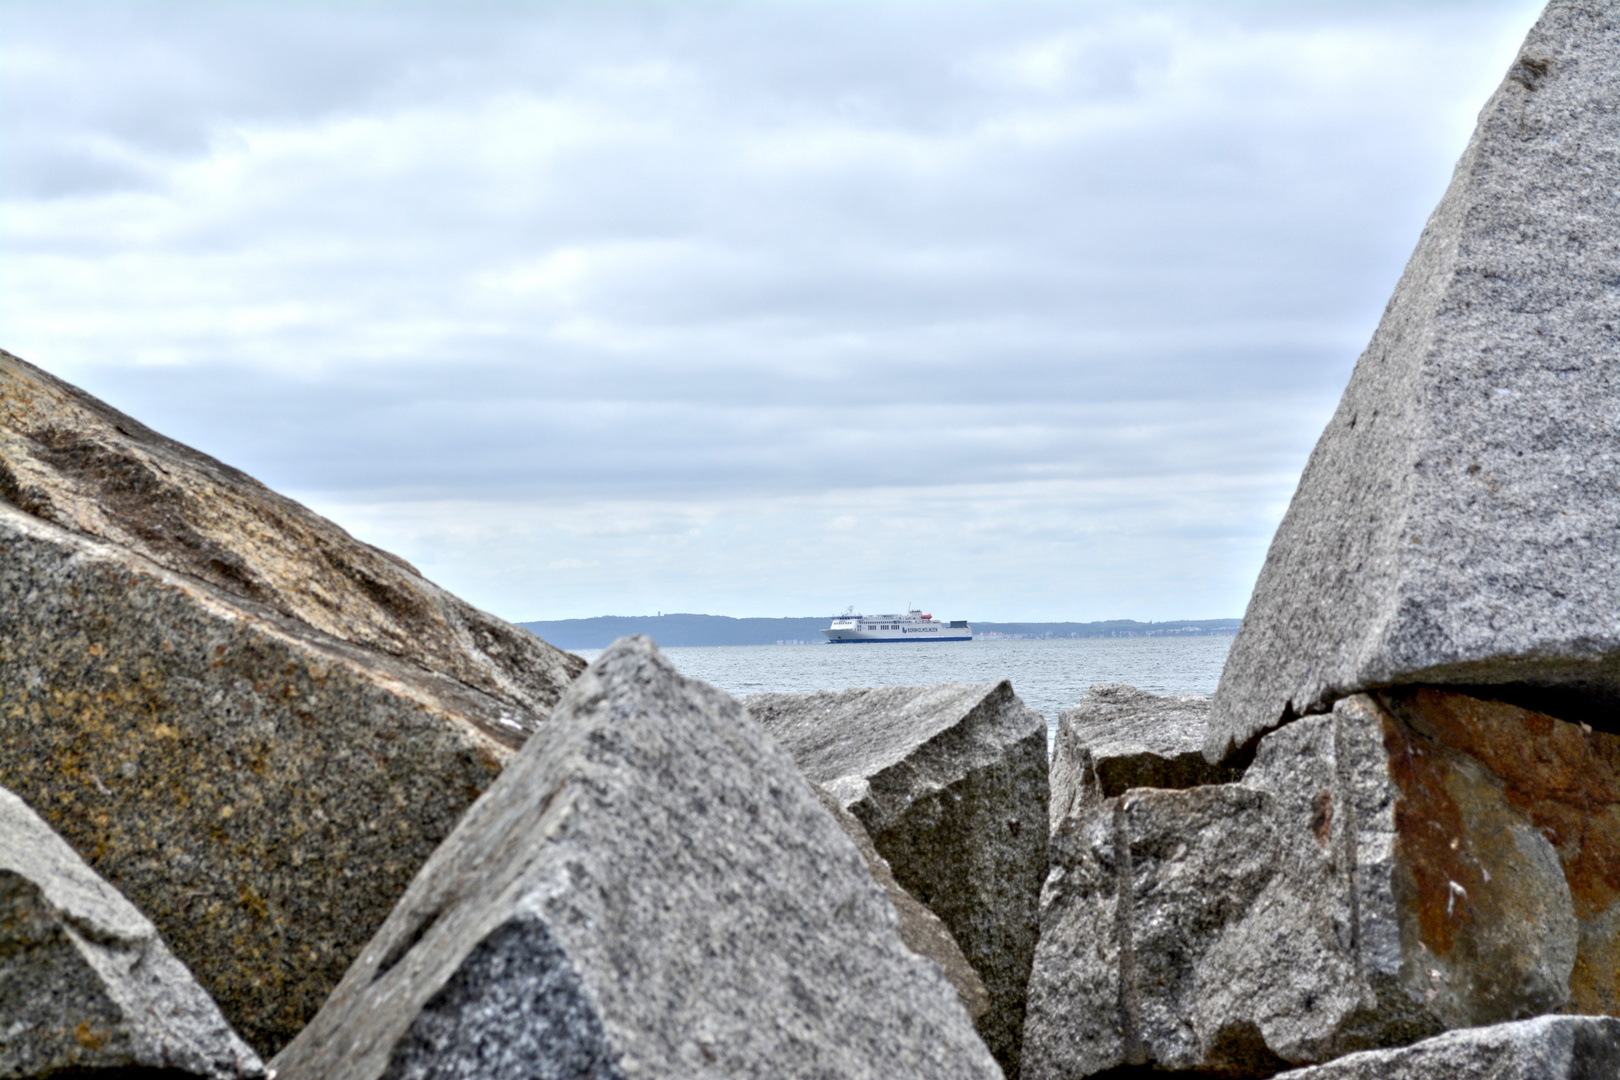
1050 674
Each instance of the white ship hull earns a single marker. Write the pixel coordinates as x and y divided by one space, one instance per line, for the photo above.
913 627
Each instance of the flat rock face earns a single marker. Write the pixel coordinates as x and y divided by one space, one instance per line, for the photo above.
262 791
649 890
1148 887
951 783
1547 1048
85 981
72 460
1120 737
1459 521
921 930
1382 873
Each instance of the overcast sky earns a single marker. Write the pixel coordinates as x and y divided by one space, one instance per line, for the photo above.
1013 311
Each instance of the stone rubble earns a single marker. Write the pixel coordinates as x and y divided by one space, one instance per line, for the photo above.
1389 847
1396 868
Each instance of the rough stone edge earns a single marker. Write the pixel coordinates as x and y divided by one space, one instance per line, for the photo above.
1234 731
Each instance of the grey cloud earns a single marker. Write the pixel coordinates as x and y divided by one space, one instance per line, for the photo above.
702 251
493 433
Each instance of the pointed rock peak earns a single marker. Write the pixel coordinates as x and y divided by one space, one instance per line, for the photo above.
1459 521
650 889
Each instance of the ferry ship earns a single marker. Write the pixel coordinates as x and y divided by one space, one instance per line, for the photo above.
850 628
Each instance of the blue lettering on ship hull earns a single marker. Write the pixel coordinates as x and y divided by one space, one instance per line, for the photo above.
892 641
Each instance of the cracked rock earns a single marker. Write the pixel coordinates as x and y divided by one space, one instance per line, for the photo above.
1120 737
1407 864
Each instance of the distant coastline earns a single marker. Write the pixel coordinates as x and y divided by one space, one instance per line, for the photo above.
681 630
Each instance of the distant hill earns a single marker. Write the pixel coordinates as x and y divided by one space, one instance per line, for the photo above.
674 631
1110 628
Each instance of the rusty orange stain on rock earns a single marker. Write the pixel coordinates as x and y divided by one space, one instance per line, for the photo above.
1538 755
1565 780
1428 819
1322 817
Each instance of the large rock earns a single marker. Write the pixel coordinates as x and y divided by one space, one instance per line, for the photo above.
1459 521
649 890
262 791
1120 737
951 783
1382 873
1143 889
239 761
1547 1048
85 982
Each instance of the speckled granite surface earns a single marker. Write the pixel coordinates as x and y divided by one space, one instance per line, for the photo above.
253 725
1546 1048
922 931
951 782
1459 520
261 791
651 890
1119 738
1412 862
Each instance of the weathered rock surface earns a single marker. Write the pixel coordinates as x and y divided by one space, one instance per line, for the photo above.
254 726
85 981
951 783
1120 737
1366 884
920 929
1546 1048
261 791
1459 521
1141 894
74 461
649 890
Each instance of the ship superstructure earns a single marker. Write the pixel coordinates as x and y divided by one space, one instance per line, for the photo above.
850 628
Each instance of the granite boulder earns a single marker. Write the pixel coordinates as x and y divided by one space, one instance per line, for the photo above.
651 889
